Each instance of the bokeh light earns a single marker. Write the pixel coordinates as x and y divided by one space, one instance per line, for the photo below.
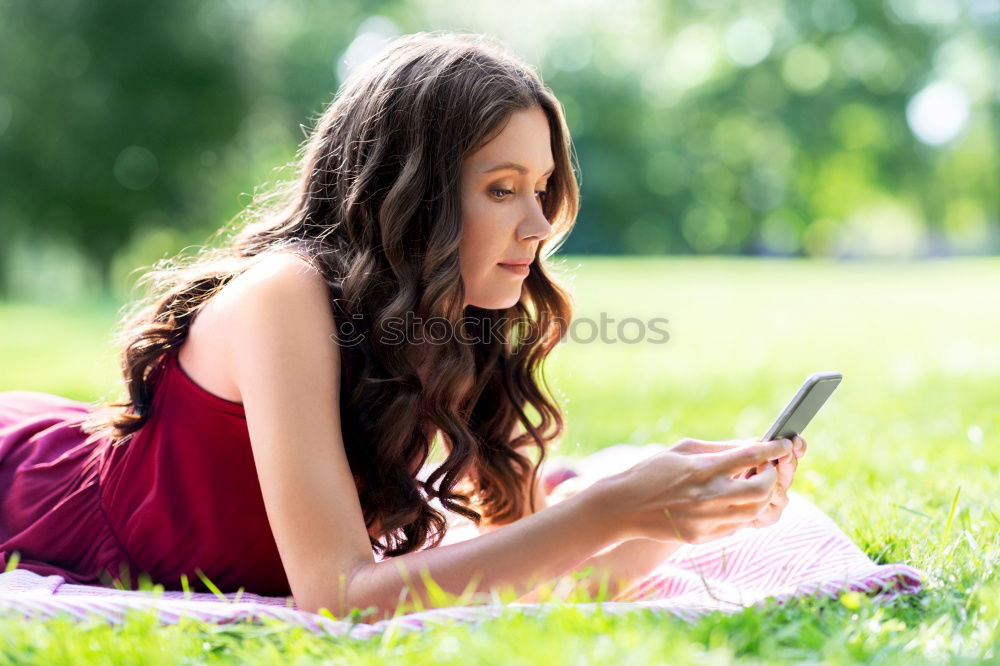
938 112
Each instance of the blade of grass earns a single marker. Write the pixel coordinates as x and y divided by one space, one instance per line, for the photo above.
951 519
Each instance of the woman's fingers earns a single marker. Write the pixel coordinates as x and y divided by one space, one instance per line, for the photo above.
721 498
770 515
756 488
763 476
741 458
749 510
749 515
786 470
727 528
689 445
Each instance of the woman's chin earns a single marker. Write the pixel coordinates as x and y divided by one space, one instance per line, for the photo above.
496 302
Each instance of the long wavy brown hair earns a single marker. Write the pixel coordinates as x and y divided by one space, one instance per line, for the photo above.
375 206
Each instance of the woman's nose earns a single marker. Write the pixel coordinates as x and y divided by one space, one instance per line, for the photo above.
536 225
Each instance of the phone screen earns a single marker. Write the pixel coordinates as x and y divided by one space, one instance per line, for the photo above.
804 405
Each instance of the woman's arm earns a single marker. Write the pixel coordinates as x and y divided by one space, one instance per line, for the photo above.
515 558
617 566
615 569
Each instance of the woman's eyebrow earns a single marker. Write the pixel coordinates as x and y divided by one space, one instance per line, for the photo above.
516 167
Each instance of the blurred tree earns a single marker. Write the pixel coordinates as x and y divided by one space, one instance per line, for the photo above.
831 127
111 106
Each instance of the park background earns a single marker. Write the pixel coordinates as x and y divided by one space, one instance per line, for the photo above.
795 186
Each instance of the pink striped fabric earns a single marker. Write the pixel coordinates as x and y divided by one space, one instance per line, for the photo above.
803 554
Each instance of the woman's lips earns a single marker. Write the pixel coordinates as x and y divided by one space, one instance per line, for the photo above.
517 269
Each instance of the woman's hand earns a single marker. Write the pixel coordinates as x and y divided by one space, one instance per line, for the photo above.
786 467
698 491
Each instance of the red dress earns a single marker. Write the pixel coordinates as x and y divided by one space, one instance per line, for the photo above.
181 495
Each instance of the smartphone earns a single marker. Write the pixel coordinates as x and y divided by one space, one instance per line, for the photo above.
803 407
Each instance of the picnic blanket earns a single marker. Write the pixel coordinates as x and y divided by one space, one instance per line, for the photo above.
803 554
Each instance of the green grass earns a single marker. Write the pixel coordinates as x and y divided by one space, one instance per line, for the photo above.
904 457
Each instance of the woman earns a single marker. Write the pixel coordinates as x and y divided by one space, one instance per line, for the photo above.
284 390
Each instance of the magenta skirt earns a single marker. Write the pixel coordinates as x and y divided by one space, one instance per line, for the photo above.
50 509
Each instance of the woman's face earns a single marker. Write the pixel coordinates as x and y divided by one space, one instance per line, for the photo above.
502 218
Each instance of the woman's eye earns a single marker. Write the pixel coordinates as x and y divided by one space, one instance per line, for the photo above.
503 192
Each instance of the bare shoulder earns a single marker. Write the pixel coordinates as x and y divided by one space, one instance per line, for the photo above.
278 273
205 353
277 312
278 278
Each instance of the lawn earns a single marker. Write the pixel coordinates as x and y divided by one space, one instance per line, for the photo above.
904 457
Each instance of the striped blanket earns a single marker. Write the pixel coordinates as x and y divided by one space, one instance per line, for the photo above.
803 554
